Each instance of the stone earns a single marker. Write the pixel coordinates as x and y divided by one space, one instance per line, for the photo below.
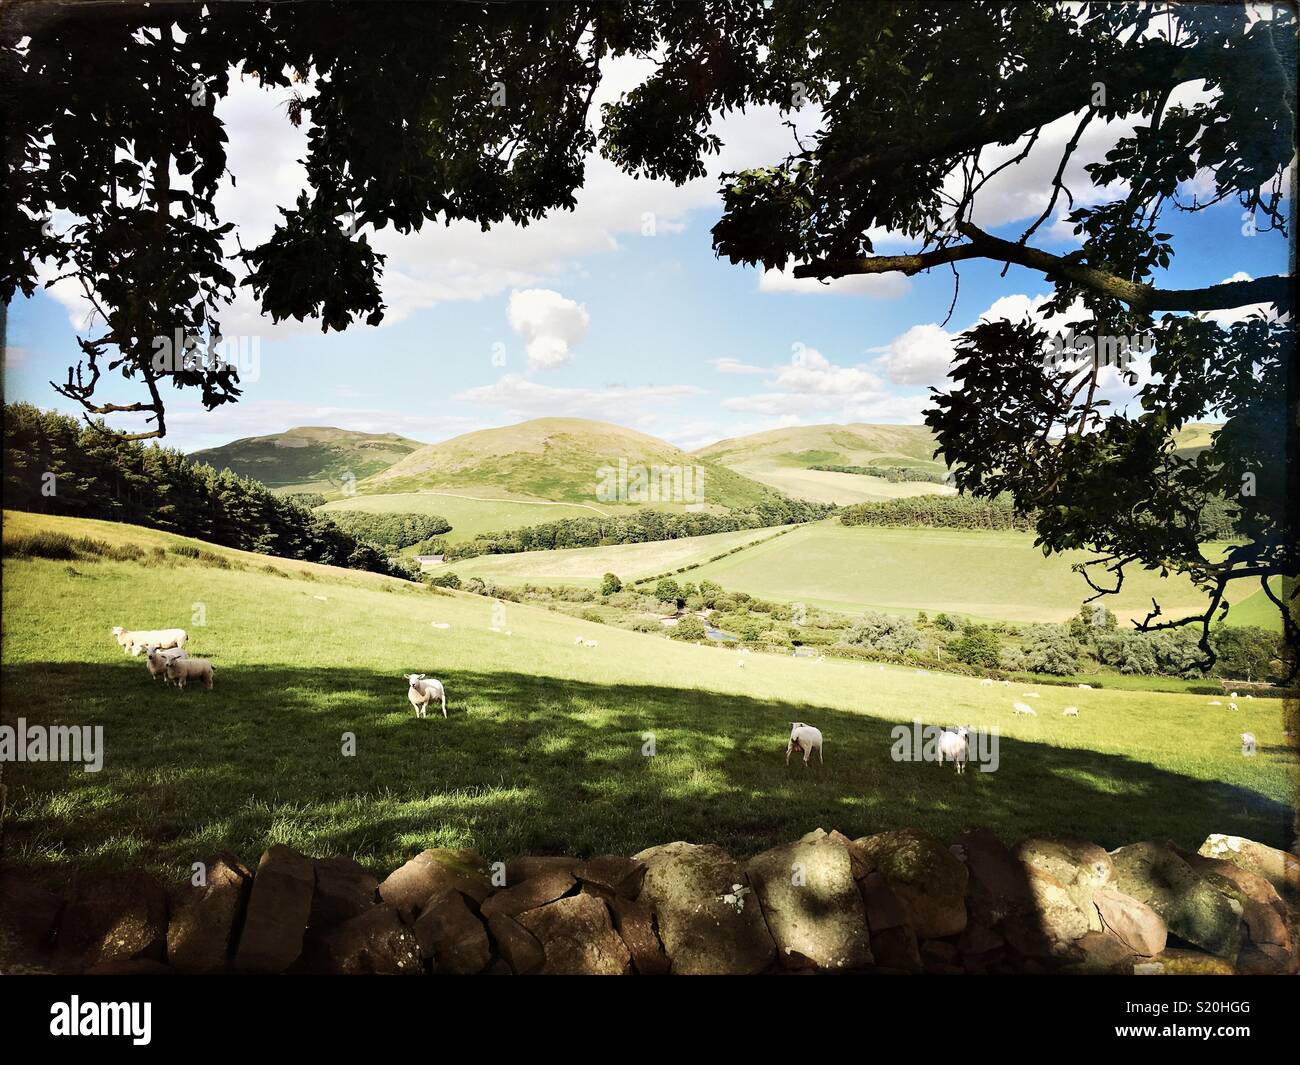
999 882
634 922
1193 908
1135 924
577 938
28 917
119 916
1264 961
1251 885
896 948
709 921
1178 962
546 886
518 946
430 872
1054 922
344 890
529 866
883 909
374 942
811 903
204 919
861 863
1279 868
939 951
278 910
1099 953
980 948
619 876
1078 866
928 880
130 967
450 934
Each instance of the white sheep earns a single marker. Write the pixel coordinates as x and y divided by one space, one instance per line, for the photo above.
1070 711
440 624
1215 702
1233 707
955 746
589 643
135 642
987 682
1032 695
1087 687
422 691
1233 695
1249 696
1248 744
804 738
157 660
1024 708
180 671
577 641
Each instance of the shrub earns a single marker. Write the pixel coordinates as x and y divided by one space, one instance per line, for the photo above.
42 545
609 584
646 625
1049 649
445 580
943 621
593 615
1246 653
666 591
883 633
184 550
689 628
976 646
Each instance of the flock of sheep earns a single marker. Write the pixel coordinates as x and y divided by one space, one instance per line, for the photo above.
165 656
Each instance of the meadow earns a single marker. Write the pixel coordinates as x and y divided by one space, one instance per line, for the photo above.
545 747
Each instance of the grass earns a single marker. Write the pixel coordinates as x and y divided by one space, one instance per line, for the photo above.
542 751
827 486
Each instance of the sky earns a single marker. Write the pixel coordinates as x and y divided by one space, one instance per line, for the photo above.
617 310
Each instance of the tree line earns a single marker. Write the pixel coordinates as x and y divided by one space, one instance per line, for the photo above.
893 474
54 464
939 512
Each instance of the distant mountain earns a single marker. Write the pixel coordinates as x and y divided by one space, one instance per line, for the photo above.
556 459
309 458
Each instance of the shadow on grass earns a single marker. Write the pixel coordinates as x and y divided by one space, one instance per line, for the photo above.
527 764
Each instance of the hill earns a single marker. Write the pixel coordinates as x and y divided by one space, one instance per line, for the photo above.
543 748
308 458
559 460
784 459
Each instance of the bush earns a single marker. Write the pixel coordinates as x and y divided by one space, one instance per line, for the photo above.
938 512
1246 653
1049 649
689 628
42 545
943 621
609 584
666 591
976 646
883 633
445 580
646 625
184 550
394 530
593 615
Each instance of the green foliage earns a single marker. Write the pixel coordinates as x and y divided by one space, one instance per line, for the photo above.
884 633
688 628
937 512
1247 653
943 621
391 530
445 580
609 584
306 500
893 474
1045 649
666 591
978 645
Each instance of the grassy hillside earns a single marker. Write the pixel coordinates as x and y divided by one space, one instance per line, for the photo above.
553 459
783 459
986 575
469 515
543 749
309 458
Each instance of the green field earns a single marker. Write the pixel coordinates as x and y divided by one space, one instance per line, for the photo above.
469 516
543 749
986 575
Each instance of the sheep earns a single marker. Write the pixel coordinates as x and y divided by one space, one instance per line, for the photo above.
440 624
1249 696
1032 695
1233 707
1070 711
804 738
577 641
180 671
135 642
589 643
1023 708
422 691
1248 744
987 682
1215 702
157 660
1233 695
955 746
1087 687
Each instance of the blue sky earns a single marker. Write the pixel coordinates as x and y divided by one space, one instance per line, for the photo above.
587 315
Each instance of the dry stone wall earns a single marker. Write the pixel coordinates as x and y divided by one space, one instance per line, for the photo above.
896 902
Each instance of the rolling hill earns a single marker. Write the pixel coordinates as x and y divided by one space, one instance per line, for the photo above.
308 458
558 460
783 459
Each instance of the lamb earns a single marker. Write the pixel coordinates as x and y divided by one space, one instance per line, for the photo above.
157 660
1032 695
135 642
954 745
986 682
589 643
1233 707
804 738
1024 708
1249 696
1215 702
180 671
577 641
1233 695
1086 686
1248 744
1070 711
422 691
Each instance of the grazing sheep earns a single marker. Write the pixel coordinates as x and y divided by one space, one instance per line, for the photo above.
440 624
986 682
1233 695
1215 702
589 643
1031 695
135 642
422 691
1070 711
577 641
1249 696
1248 744
1233 707
157 660
1024 708
1086 686
180 671
954 745
804 738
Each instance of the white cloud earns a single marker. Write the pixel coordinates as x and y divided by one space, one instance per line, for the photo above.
881 286
520 397
550 323
735 366
921 356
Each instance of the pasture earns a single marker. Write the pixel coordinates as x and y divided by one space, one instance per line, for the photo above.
546 747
